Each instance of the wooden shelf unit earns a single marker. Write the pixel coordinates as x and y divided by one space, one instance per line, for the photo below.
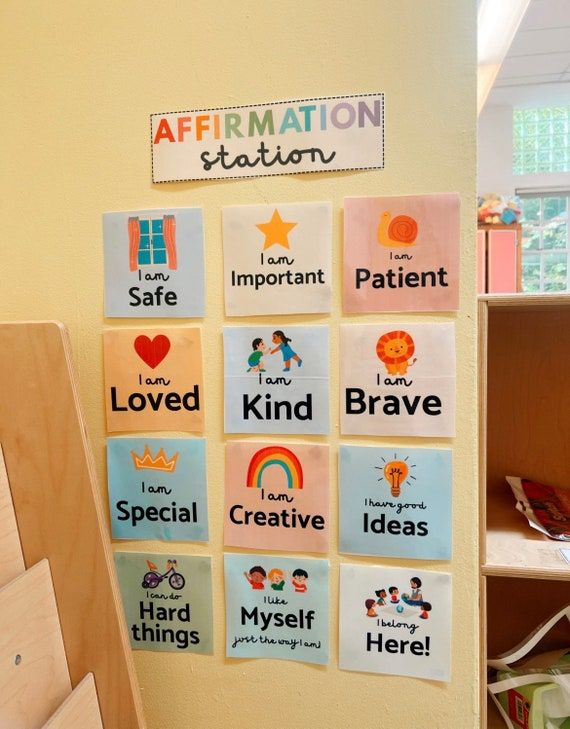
51 508
524 392
499 258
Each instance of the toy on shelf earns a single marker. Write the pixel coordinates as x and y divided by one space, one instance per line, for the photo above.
546 508
493 209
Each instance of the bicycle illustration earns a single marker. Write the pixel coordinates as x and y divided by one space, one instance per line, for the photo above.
154 578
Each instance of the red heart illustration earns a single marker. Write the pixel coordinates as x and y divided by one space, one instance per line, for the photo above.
152 351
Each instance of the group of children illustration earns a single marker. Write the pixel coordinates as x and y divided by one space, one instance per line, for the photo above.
277 579
255 362
392 597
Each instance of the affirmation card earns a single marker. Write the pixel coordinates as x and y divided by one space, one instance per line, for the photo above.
276 380
277 496
277 258
277 607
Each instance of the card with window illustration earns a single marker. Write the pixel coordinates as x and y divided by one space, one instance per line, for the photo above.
277 258
157 488
277 496
398 379
167 600
395 621
276 379
277 607
153 379
401 253
154 263
395 502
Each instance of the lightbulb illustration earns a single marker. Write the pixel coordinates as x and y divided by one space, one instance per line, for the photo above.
395 472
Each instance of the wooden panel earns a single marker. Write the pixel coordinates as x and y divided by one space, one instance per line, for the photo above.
502 261
59 510
481 262
10 548
515 607
33 673
80 709
528 423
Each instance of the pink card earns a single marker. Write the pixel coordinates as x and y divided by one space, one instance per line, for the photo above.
401 253
277 496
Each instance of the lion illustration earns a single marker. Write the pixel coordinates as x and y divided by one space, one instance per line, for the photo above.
395 349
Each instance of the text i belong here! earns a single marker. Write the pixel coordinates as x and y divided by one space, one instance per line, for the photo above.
395 621
277 496
276 379
277 258
401 253
153 379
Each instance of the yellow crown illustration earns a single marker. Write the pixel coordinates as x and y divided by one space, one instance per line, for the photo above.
158 463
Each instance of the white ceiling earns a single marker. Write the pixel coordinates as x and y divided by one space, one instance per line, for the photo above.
536 70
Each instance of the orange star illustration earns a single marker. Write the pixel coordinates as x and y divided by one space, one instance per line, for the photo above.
275 231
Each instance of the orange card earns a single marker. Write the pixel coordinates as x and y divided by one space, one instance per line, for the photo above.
153 379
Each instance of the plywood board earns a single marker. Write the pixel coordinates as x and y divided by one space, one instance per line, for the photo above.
59 510
10 548
34 679
528 421
80 709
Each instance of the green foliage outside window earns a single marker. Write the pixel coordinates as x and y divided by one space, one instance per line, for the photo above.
545 244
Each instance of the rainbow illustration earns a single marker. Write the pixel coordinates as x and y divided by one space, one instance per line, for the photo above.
271 456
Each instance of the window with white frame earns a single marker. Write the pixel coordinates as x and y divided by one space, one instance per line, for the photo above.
546 247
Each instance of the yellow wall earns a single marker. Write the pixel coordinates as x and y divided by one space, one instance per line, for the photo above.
79 80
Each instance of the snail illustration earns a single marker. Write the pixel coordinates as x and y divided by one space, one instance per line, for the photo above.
398 232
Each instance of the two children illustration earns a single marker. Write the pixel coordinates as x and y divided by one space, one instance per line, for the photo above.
255 362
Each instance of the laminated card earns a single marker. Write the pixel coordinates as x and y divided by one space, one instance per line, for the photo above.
277 607
276 379
277 496
395 621
277 258
320 134
154 263
401 253
398 379
157 488
153 379
167 600
395 502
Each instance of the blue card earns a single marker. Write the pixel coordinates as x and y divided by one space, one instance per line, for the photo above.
157 488
277 607
395 502
154 263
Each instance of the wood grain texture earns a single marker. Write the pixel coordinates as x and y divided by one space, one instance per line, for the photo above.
10 547
59 510
524 429
80 709
528 427
34 679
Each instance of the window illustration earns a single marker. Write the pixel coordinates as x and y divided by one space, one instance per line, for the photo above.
152 242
